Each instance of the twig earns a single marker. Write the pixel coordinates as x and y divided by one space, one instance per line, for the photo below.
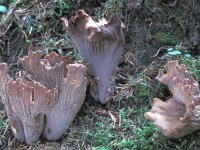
171 4
161 48
19 56
7 29
5 130
147 5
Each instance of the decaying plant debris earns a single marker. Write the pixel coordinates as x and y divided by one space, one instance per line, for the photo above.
101 44
180 115
150 25
45 98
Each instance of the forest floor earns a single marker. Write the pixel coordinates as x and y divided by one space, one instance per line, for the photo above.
151 27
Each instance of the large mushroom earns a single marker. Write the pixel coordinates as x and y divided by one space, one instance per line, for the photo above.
101 44
45 98
179 115
26 108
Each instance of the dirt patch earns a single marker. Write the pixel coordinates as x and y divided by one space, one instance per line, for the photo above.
154 24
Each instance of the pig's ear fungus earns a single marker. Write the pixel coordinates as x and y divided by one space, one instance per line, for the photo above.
101 44
45 98
179 115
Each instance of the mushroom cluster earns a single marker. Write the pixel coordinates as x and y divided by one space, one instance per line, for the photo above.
45 98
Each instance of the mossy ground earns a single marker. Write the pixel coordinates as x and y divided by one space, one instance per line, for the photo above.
120 124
